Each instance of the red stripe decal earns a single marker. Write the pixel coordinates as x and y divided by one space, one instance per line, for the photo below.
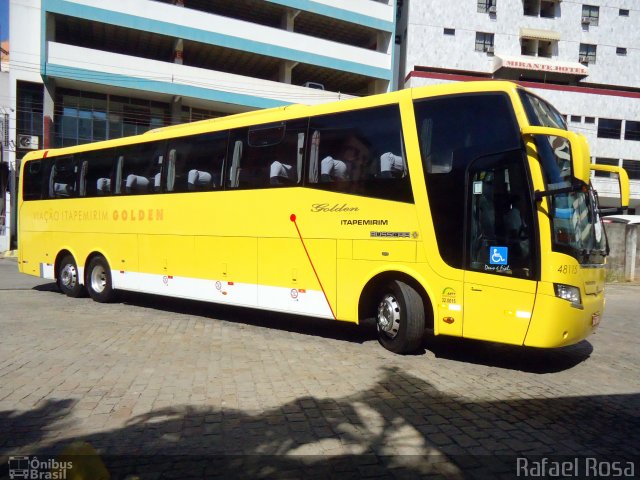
293 219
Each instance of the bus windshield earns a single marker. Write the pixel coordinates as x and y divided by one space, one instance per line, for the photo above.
577 226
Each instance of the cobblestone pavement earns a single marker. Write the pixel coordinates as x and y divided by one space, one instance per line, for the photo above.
204 390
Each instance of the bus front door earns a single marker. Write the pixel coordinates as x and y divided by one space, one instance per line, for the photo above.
500 285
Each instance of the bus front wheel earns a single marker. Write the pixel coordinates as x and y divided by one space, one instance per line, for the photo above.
68 279
98 281
400 318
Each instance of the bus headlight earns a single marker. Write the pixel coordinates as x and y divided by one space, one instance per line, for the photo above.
569 293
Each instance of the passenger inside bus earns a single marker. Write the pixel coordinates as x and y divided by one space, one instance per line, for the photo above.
351 164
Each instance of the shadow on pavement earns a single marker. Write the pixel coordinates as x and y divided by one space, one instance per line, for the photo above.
401 427
511 357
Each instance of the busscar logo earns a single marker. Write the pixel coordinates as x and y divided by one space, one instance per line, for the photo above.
35 469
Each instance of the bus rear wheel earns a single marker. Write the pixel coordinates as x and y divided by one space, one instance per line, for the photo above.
68 279
400 318
98 281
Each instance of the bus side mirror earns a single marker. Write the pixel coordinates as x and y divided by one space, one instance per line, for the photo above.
622 185
565 143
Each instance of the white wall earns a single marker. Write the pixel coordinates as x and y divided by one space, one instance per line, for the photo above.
427 45
245 30
111 63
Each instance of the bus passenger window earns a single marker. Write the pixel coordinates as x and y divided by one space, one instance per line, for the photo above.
268 155
195 163
63 178
360 152
141 168
33 179
454 131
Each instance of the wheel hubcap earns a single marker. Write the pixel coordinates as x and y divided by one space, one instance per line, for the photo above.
389 316
69 276
98 279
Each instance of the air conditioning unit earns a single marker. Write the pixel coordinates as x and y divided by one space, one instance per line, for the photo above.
28 142
586 20
492 9
584 59
490 49
316 85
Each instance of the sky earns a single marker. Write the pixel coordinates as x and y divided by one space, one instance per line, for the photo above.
4 19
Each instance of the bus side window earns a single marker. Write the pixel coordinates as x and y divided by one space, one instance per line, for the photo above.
195 163
141 168
63 177
268 155
33 179
98 167
454 131
360 152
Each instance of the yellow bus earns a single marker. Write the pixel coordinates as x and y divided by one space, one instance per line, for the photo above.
464 209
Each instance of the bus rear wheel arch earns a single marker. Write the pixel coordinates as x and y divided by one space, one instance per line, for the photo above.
98 279
67 276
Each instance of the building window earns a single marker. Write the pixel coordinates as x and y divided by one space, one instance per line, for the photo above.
449 31
547 9
484 6
589 120
484 42
576 119
632 130
587 53
623 12
29 113
82 117
590 15
537 48
633 168
621 50
606 161
542 8
609 128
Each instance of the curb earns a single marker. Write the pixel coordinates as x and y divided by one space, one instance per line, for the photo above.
9 254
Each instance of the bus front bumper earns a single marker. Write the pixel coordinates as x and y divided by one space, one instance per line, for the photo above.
556 322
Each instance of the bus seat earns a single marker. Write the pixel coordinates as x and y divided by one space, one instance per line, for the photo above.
103 186
391 166
198 178
136 184
62 190
282 174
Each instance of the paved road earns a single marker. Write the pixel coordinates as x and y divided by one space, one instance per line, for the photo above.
207 391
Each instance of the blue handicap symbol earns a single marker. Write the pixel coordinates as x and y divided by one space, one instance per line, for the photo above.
498 255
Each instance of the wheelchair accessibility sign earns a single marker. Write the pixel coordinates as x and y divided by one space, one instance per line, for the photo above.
498 255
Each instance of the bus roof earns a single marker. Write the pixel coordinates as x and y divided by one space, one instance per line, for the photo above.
281 114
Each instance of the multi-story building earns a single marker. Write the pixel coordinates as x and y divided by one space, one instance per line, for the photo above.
582 56
89 70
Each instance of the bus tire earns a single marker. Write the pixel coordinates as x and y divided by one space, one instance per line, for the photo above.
98 280
400 318
68 279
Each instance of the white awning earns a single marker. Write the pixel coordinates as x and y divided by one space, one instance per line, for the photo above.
539 64
539 34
